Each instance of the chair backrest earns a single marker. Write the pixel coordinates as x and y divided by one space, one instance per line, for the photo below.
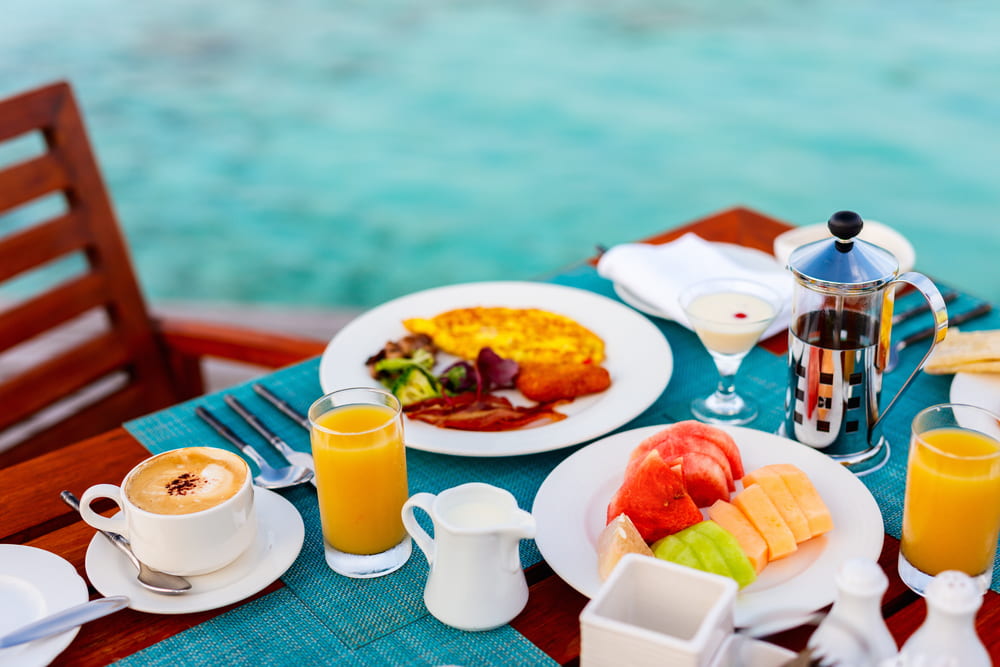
112 364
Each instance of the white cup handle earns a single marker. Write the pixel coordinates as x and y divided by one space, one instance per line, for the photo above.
419 535
94 519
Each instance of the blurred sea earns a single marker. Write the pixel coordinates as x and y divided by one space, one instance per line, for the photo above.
332 153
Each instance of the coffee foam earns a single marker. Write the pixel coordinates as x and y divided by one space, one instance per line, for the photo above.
184 481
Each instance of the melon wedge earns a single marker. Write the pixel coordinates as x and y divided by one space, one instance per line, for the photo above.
618 538
708 553
783 499
735 522
815 510
754 502
740 567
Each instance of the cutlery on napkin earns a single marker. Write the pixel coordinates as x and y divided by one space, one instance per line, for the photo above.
657 274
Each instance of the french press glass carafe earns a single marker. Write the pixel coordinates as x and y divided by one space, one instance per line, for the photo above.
839 340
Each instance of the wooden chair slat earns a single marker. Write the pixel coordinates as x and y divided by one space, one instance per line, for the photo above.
39 387
35 246
85 423
51 309
32 110
160 375
30 180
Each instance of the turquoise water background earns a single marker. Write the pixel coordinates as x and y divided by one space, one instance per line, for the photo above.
344 153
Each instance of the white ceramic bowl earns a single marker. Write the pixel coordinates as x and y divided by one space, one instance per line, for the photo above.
873 232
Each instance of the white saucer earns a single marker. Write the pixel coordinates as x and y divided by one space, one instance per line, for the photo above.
280 532
35 583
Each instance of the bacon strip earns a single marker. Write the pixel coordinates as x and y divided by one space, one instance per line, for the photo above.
468 412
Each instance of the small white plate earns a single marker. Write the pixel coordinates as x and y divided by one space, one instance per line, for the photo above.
979 389
748 258
638 358
280 532
571 505
35 583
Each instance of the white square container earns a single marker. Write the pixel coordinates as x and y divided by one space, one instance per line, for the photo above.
652 612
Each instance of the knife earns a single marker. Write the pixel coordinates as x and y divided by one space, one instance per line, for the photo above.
283 406
64 620
923 306
293 456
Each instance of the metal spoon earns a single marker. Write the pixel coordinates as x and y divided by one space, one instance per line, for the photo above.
291 455
154 580
269 477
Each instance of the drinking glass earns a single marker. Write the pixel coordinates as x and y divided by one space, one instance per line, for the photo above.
358 447
729 315
951 511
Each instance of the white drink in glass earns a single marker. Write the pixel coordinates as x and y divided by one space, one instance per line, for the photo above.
729 315
729 322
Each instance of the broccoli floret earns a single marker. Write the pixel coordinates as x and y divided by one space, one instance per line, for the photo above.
415 385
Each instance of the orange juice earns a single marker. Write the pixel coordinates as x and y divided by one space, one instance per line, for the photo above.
951 515
360 477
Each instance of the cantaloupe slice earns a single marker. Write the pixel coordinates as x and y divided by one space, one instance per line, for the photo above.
754 502
815 510
783 499
618 538
735 522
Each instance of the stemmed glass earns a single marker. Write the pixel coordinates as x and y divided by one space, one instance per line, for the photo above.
729 315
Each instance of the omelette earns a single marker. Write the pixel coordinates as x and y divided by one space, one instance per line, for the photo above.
526 335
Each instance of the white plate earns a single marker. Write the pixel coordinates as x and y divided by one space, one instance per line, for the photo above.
35 583
749 258
638 359
280 532
570 512
979 389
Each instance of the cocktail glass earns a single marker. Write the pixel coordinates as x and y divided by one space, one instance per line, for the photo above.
729 315
951 511
361 483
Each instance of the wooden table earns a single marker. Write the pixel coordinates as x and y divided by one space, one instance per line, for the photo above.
32 513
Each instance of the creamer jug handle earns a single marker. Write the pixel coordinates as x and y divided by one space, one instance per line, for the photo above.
523 530
930 292
424 501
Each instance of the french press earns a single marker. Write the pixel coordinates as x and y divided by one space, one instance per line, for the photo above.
838 343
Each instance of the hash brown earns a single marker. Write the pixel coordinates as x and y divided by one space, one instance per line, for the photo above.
526 335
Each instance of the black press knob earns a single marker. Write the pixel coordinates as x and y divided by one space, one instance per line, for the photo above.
845 224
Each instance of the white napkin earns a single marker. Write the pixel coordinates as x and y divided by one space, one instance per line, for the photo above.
657 274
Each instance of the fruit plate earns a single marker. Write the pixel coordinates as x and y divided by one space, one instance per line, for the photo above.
570 512
638 358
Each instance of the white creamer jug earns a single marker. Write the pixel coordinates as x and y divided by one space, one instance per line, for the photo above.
475 580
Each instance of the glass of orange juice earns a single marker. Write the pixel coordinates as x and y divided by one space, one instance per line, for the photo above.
951 513
360 456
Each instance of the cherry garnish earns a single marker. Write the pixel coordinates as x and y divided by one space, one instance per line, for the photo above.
740 316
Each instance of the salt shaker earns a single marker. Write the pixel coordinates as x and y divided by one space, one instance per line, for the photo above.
948 635
854 633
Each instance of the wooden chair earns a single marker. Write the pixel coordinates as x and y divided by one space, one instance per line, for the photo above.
148 363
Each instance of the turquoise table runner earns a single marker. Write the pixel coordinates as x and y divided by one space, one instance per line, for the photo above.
322 617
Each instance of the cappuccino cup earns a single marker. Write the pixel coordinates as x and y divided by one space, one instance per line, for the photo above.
188 511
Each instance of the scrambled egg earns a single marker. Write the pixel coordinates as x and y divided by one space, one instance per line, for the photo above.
526 335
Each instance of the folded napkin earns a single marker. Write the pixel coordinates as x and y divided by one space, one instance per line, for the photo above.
657 274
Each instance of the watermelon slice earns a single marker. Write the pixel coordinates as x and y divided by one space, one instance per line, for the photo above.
654 499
